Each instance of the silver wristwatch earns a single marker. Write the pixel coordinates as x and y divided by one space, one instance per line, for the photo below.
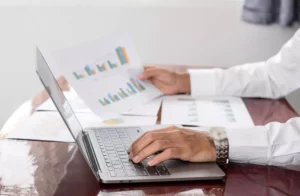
219 138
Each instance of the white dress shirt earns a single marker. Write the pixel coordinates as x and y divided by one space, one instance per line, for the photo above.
275 143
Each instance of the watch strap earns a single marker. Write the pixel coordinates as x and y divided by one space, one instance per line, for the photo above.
219 137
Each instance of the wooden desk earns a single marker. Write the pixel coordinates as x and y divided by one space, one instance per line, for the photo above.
54 168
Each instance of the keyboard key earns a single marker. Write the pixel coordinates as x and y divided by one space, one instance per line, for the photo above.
110 168
131 172
142 172
109 148
125 160
124 156
120 172
108 164
111 152
127 164
152 171
112 173
123 153
113 155
162 170
128 167
116 162
138 166
114 158
118 166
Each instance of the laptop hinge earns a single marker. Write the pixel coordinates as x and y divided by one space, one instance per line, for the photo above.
91 154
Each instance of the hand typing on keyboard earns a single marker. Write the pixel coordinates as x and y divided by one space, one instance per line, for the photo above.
174 143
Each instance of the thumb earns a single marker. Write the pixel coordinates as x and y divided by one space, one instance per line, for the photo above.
148 73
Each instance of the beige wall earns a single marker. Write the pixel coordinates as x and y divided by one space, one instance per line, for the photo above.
185 32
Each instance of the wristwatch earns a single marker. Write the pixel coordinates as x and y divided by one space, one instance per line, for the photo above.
219 137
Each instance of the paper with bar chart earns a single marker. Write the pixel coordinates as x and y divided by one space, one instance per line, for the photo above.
207 111
104 73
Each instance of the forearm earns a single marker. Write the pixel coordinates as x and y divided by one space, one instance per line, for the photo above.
275 144
273 78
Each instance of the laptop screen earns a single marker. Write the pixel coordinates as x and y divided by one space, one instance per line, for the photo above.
57 96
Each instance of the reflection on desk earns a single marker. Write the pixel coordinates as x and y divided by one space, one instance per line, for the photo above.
51 168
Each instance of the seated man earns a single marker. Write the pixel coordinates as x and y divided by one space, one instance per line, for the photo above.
273 144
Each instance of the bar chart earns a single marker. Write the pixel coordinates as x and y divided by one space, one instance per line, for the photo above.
133 86
116 58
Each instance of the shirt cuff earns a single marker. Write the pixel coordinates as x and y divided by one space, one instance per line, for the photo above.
203 82
248 145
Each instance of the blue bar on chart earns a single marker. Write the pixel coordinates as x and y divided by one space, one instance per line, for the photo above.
131 87
77 76
130 92
89 71
102 103
134 86
120 94
102 67
121 52
117 98
111 97
106 101
111 65
137 84
140 84
123 93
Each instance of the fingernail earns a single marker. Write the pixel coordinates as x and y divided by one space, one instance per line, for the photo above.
136 159
130 156
141 76
150 163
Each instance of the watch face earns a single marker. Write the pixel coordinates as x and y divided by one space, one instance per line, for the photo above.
217 133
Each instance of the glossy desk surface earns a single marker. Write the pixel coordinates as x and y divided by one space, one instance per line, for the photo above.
54 168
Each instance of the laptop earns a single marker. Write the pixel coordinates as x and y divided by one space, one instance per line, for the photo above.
105 148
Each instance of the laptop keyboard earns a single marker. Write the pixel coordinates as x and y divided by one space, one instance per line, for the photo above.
114 143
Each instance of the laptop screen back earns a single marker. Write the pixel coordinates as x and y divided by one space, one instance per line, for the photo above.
57 95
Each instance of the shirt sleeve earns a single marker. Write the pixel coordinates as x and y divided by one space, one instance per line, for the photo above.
273 78
275 144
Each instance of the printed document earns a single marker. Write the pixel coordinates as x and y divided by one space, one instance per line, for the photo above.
210 111
104 73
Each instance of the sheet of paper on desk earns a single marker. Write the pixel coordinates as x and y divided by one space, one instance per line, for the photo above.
148 109
104 73
210 111
76 103
49 126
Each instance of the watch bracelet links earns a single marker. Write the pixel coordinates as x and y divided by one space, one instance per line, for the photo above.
222 152
219 138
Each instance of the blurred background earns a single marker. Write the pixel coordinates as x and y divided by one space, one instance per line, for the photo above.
177 32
